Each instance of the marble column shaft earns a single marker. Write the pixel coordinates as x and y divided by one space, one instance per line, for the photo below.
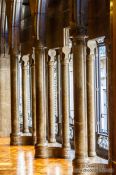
51 114
25 60
91 98
65 97
80 137
40 106
15 130
59 96
40 148
33 95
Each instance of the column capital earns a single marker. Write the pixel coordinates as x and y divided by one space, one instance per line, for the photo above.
66 50
52 54
92 45
26 59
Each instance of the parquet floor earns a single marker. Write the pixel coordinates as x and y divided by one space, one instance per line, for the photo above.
19 160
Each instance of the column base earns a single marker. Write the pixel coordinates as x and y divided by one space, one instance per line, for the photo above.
26 140
41 151
15 140
52 140
80 166
66 153
26 134
92 154
34 140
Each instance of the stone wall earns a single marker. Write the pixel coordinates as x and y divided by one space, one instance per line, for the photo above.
5 114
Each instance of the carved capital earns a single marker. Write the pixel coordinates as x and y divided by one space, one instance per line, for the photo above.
25 60
52 54
66 50
92 45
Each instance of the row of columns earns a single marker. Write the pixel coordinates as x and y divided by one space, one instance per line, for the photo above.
38 98
41 140
83 140
26 66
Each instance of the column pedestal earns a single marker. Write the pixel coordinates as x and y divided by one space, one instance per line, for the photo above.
15 140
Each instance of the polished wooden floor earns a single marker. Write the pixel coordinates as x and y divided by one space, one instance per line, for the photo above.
19 160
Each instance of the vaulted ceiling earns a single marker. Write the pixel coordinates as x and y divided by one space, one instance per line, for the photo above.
22 22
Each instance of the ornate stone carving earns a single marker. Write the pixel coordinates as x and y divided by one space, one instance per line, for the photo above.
52 54
92 45
25 59
66 50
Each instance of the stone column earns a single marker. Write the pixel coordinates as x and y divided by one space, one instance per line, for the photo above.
25 60
51 115
59 95
80 137
91 98
65 101
33 96
15 129
40 148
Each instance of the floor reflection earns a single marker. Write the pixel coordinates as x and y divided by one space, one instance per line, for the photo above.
29 158
19 160
21 165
